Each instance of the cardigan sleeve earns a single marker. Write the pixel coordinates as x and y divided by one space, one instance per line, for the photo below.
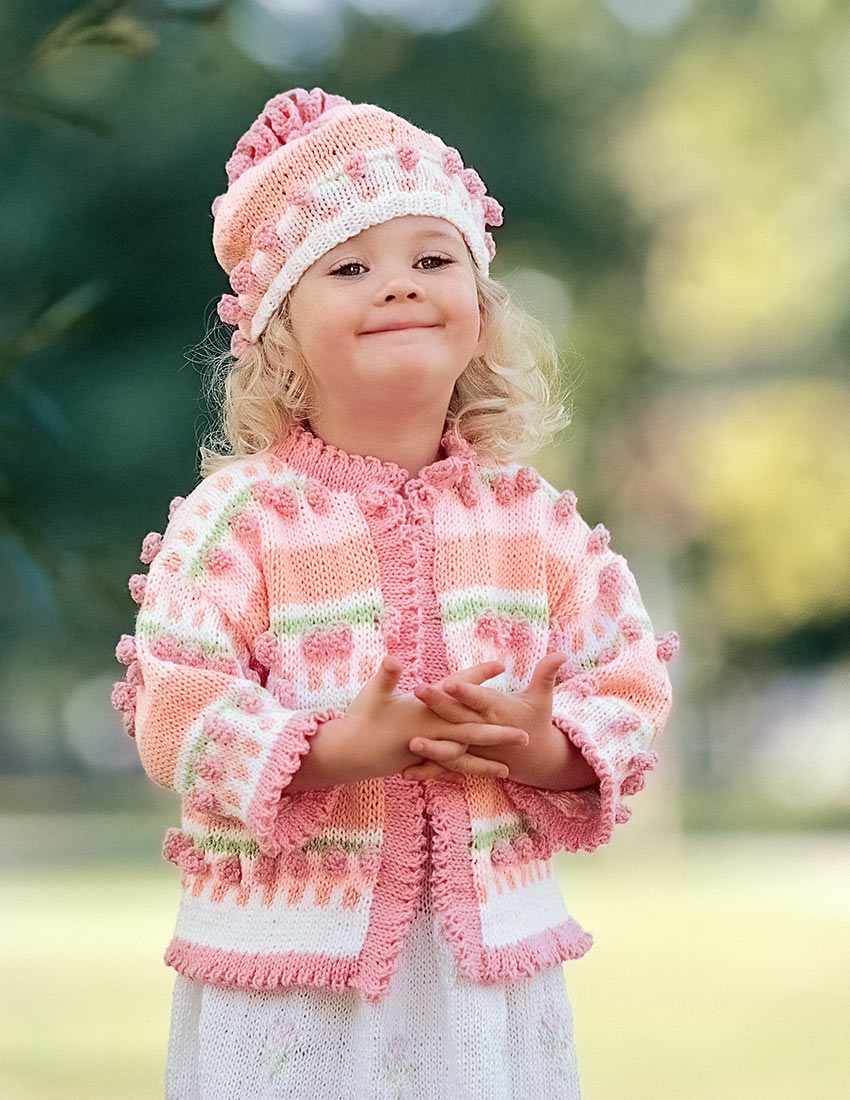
205 724
613 695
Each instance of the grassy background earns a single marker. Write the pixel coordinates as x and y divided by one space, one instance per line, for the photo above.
719 970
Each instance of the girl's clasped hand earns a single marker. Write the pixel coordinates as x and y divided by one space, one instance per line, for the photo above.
461 699
453 728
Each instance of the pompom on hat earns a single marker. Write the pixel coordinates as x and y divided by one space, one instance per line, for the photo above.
315 170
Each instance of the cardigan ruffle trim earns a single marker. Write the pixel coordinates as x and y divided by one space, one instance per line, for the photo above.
304 451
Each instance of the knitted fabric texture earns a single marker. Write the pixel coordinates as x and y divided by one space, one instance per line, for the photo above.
435 1035
314 170
280 584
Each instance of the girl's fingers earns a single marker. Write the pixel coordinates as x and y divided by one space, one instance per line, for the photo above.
477 674
492 735
388 675
443 705
440 751
480 766
545 673
473 733
466 764
470 695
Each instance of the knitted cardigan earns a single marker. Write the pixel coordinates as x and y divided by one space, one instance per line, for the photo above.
279 585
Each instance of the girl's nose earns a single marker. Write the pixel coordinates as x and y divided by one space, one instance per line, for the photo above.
412 293
400 286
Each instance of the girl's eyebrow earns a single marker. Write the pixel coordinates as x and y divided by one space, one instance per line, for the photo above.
437 235
426 235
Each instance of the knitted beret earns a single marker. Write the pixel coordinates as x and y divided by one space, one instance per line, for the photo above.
315 170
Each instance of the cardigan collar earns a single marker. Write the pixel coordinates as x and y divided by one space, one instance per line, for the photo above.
304 451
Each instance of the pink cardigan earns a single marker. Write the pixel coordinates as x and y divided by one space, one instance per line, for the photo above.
279 585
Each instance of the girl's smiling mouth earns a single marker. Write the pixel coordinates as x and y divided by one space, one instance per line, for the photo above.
395 328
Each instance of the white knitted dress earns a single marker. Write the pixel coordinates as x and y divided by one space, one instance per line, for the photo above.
434 1036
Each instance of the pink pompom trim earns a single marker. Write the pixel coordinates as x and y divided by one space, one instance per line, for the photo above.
598 539
124 697
408 157
473 183
229 309
150 547
452 162
125 651
136 584
242 278
667 646
493 211
565 506
266 238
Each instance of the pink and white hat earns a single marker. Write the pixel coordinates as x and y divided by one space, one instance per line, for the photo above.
315 170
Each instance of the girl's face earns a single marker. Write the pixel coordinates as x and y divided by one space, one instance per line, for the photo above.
388 320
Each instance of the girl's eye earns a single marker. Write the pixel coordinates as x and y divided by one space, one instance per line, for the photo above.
349 268
433 261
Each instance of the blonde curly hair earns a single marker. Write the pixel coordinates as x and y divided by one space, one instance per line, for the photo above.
508 403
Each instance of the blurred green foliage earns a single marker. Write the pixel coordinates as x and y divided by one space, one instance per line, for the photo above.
683 189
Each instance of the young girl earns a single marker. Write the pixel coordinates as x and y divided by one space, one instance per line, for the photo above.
389 671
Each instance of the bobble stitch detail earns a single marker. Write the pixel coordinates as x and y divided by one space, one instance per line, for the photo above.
467 490
204 801
490 245
228 870
565 506
610 579
370 862
266 237
242 278
125 651
220 731
174 505
630 629
452 162
527 481
668 646
504 489
219 560
124 697
249 703
239 344
136 584
408 158
229 309
317 497
267 649
150 547
296 864
211 770
336 862
265 869
355 166
244 525
598 539
582 685
278 497
493 212
473 183
300 194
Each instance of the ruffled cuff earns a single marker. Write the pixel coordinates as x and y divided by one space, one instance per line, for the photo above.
278 821
578 820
